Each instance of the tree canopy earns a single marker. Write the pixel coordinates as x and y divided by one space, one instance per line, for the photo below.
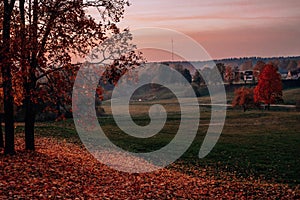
269 86
44 37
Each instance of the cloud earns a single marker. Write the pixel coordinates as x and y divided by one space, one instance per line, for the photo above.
226 27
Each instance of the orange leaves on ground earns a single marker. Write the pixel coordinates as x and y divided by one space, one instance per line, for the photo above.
61 170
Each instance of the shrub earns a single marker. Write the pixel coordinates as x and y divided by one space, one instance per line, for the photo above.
243 97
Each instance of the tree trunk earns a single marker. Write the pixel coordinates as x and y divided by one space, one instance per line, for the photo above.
1 133
28 105
29 124
31 82
7 80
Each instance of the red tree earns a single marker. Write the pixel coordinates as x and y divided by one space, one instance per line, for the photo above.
258 68
269 86
243 97
229 75
45 36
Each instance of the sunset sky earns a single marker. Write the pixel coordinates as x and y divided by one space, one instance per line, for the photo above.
225 28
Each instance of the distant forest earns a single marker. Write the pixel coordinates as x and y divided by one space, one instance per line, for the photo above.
284 64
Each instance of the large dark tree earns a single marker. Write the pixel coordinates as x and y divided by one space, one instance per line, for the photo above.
56 31
47 35
6 68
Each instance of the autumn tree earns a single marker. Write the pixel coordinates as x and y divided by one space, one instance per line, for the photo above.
197 78
243 97
6 69
269 87
221 68
236 72
47 35
259 66
229 75
1 118
247 65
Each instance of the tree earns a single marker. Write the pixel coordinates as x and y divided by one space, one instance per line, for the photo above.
269 87
47 34
236 72
187 75
259 66
6 65
197 78
247 65
292 66
229 75
243 97
221 67
1 111
207 72
184 71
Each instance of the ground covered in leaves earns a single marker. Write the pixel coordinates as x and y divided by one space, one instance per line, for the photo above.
62 170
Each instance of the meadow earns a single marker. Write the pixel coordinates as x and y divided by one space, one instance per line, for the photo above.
256 156
257 144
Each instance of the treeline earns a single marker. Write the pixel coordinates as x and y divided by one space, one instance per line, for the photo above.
284 64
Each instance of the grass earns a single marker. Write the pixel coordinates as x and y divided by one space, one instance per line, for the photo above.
290 96
259 144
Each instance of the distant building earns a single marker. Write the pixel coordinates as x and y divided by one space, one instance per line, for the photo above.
248 75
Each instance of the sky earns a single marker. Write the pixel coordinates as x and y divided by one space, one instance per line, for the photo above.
224 28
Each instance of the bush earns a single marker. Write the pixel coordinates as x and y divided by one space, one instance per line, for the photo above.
243 97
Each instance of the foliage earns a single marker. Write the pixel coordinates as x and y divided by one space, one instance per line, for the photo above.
197 78
187 75
207 72
247 65
243 97
269 87
240 166
258 68
6 64
61 170
292 66
184 71
50 34
46 35
221 68
229 75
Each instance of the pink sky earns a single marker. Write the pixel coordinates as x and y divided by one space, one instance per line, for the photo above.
225 28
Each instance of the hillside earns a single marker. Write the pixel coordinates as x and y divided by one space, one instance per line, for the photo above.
284 63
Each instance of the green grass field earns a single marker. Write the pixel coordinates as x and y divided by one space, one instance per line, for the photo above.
291 96
264 145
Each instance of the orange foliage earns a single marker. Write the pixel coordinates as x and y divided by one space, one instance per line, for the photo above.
229 74
243 97
269 86
61 170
